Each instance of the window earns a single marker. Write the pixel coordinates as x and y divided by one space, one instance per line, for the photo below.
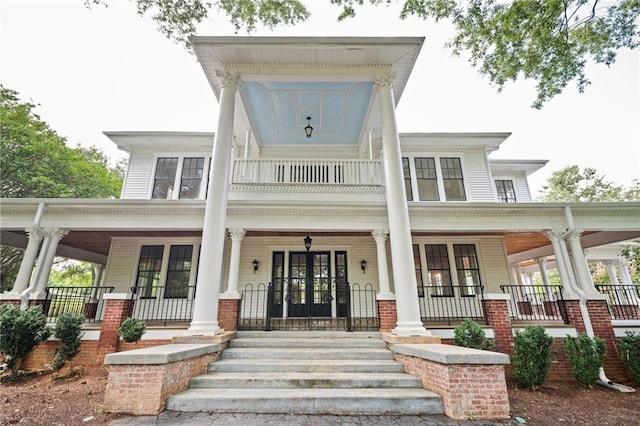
418 268
192 169
407 178
506 193
427 179
165 177
439 272
178 271
452 179
467 268
185 174
149 268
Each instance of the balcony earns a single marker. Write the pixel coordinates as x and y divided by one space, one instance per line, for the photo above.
307 172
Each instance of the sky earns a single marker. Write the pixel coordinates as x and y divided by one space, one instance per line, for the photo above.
108 69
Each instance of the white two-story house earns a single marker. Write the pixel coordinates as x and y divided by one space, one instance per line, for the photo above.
310 207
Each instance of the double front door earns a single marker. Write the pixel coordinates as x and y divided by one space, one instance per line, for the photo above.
309 290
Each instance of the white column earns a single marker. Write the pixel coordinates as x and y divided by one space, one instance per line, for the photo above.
544 273
237 234
404 278
627 280
97 280
561 264
53 236
380 237
205 310
581 266
28 260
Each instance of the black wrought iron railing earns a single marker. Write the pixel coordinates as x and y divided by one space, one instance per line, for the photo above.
623 300
535 303
451 304
308 304
163 304
87 301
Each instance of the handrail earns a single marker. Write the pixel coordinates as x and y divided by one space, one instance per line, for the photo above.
623 300
87 301
307 172
451 304
536 303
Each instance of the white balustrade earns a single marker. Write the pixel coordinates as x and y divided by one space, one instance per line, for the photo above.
307 172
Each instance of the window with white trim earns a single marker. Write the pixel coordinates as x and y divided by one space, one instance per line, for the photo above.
450 265
505 190
433 178
184 173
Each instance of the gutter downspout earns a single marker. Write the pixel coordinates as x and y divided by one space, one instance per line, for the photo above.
602 377
24 296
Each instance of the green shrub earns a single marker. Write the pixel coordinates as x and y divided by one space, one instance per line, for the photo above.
586 356
470 335
532 356
69 332
629 348
20 332
132 329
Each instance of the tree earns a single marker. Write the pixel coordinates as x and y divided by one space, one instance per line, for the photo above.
37 163
547 41
573 184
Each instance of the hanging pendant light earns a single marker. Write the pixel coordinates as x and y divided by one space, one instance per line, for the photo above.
308 129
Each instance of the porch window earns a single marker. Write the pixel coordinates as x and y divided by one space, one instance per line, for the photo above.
192 169
506 193
407 178
439 271
165 177
178 271
467 268
452 179
149 268
427 179
418 268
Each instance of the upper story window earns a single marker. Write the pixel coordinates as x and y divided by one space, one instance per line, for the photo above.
433 178
452 179
183 173
407 178
506 193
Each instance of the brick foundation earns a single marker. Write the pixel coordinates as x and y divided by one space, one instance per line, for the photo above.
228 311
115 311
143 389
468 391
497 314
387 314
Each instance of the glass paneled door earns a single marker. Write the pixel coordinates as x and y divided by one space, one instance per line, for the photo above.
309 287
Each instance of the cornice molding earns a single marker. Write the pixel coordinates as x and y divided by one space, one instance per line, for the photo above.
343 212
286 188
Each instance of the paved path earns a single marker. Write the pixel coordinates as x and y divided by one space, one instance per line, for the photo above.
169 418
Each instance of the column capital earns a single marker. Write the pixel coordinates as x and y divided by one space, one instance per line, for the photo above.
380 235
229 80
237 234
384 81
574 235
56 233
551 235
35 232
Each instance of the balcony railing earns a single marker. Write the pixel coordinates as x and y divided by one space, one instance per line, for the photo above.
535 303
623 300
332 305
451 304
87 301
307 172
163 304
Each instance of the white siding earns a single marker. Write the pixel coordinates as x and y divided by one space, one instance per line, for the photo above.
138 175
123 256
476 175
494 267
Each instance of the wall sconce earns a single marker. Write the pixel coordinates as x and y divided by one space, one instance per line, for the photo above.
307 242
308 130
256 265
363 265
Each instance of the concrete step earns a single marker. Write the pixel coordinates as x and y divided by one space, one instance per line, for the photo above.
305 342
309 401
309 334
302 366
302 353
309 380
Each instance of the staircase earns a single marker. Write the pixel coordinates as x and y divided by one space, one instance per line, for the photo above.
307 373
